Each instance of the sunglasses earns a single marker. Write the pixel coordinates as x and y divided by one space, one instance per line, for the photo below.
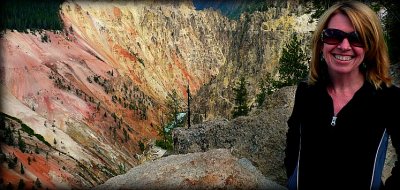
334 37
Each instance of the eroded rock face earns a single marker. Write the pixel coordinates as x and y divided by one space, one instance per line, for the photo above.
260 137
214 169
98 87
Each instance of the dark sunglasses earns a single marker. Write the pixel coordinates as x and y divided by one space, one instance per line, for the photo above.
334 37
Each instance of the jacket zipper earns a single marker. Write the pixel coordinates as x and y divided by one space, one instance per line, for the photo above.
333 122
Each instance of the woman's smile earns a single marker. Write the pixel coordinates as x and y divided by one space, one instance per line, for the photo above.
343 57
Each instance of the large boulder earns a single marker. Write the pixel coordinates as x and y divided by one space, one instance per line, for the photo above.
214 169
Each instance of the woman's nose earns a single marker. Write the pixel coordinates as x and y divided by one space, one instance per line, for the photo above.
345 44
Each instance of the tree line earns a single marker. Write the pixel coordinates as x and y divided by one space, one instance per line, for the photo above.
22 15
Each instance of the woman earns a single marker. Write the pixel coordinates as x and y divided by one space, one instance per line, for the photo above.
343 116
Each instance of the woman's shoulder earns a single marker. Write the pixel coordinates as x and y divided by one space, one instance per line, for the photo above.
306 86
391 93
392 90
302 86
306 90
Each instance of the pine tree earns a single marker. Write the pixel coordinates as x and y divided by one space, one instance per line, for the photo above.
260 97
241 108
141 145
22 169
21 143
8 134
126 136
38 184
21 184
174 107
292 64
12 161
9 186
36 149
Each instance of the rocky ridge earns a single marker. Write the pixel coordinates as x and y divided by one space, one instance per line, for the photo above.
259 137
214 169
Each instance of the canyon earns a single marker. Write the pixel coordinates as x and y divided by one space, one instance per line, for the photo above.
84 99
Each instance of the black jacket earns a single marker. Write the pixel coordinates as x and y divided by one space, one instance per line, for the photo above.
349 155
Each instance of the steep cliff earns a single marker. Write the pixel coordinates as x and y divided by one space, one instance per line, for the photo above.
254 51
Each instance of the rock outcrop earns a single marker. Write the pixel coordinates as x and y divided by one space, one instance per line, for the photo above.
214 169
259 137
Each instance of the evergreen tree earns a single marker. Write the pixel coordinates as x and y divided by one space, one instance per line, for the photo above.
12 162
174 107
9 186
21 143
141 145
21 184
260 97
166 141
126 136
8 134
3 157
292 65
34 15
391 23
22 169
37 149
241 108
38 184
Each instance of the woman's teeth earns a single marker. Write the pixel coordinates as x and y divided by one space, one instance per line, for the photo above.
343 58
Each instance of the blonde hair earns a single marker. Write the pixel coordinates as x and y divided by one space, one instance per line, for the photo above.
368 27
